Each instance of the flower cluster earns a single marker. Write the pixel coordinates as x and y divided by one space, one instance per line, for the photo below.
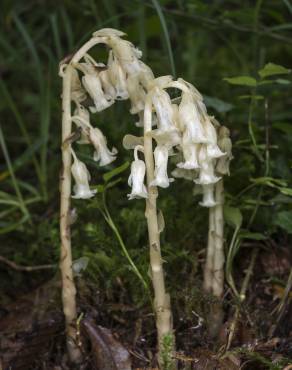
180 127
124 77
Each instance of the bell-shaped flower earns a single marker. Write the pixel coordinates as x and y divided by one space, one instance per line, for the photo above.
118 77
163 107
206 175
82 119
190 119
210 131
190 152
146 75
82 178
208 196
126 53
136 178
161 159
225 144
214 151
78 94
102 154
108 88
136 94
92 84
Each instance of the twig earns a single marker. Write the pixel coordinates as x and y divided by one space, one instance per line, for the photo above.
242 297
17 267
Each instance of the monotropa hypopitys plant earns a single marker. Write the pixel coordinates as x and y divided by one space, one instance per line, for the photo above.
170 128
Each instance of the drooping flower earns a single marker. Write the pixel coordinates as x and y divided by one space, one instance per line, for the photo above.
82 120
108 88
163 107
82 178
146 75
206 175
92 84
225 144
118 77
136 94
190 152
190 119
102 154
126 53
208 196
161 178
78 94
136 178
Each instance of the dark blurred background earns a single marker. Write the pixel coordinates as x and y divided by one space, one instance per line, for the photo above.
200 41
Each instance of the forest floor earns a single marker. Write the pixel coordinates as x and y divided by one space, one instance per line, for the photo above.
115 334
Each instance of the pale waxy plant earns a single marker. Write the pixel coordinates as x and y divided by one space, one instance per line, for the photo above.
169 128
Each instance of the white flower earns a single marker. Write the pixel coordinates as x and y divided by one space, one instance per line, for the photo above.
82 119
82 178
78 94
214 151
117 77
108 88
136 178
146 75
208 196
190 153
102 153
190 119
210 131
126 53
206 175
92 84
164 110
225 144
161 159
136 94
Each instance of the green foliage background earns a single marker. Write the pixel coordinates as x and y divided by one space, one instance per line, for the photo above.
205 42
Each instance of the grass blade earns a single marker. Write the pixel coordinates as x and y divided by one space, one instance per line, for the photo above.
166 35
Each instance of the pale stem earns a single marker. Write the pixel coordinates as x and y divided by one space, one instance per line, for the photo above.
208 270
161 298
219 258
68 286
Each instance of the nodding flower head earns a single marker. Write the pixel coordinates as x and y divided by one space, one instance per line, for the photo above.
190 152
208 196
206 175
82 178
190 119
126 53
163 108
92 84
136 93
102 154
161 159
118 77
136 178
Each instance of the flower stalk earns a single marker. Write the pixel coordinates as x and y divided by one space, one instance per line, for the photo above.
161 298
68 286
